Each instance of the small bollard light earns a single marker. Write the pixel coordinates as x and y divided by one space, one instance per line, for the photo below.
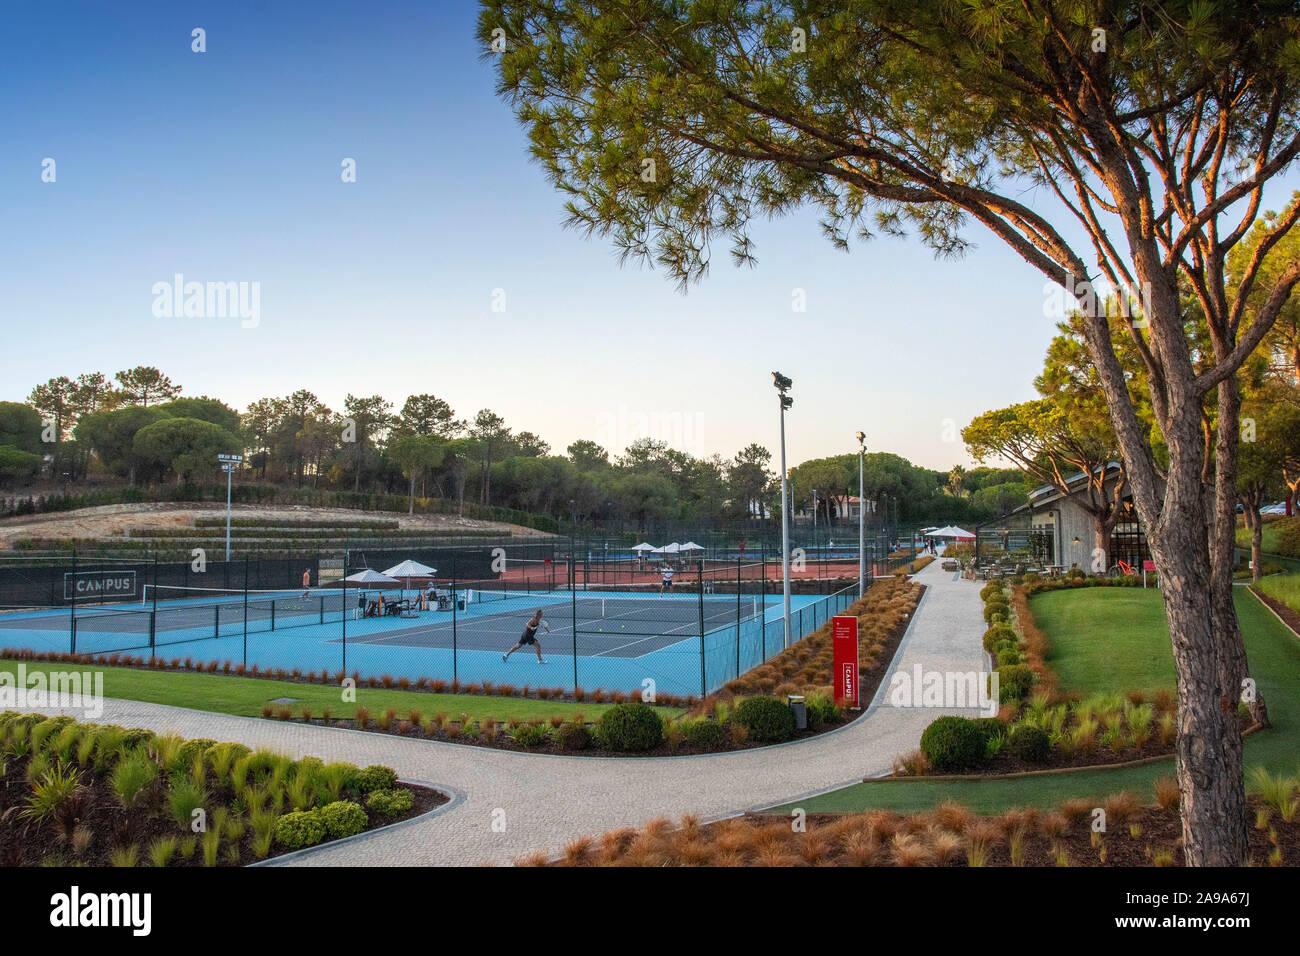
800 710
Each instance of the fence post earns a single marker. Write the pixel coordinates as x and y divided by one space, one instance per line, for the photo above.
153 611
762 592
699 579
455 599
737 616
72 623
573 604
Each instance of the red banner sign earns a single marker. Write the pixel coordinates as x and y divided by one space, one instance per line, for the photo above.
844 641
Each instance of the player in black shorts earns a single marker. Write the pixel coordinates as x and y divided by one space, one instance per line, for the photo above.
530 637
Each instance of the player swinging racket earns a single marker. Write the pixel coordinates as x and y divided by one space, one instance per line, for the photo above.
530 637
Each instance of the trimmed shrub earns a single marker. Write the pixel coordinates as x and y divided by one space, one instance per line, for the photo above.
703 733
572 735
374 777
953 744
343 818
997 614
1030 744
998 633
767 719
529 736
299 828
390 802
821 711
991 590
630 727
990 727
1014 682
1008 656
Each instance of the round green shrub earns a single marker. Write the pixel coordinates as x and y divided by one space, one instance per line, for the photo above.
631 727
299 828
529 736
953 744
135 737
374 777
996 611
990 727
821 711
1030 744
1014 682
703 733
1008 656
990 590
343 818
190 750
998 633
572 735
390 802
768 719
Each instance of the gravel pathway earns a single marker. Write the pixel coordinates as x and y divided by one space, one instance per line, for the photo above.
509 804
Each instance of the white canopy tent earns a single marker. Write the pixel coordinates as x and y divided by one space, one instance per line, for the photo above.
692 546
671 548
645 546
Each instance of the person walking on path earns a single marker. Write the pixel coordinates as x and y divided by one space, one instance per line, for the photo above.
530 637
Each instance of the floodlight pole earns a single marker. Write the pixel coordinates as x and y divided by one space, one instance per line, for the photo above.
783 385
228 464
862 519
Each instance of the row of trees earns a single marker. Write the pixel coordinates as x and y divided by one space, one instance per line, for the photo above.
147 433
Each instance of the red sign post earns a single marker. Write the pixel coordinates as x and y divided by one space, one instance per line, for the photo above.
844 641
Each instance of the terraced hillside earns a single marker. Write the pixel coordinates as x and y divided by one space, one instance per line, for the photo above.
267 529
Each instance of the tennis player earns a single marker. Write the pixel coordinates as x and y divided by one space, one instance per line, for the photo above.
306 582
530 637
666 584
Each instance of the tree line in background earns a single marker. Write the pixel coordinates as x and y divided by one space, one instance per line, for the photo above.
137 429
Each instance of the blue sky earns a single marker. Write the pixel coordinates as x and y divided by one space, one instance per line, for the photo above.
225 166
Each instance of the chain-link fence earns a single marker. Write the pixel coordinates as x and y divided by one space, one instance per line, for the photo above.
674 622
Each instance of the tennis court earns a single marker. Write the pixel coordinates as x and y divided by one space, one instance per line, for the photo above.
611 639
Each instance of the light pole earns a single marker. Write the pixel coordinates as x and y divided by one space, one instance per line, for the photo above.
783 385
229 464
862 518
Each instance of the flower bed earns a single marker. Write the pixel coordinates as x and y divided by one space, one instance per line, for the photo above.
88 794
948 835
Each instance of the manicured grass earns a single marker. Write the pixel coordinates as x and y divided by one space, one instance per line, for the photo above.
1274 654
245 696
1107 640
1284 588
1270 535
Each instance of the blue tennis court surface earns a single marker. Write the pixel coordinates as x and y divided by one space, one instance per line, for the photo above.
621 639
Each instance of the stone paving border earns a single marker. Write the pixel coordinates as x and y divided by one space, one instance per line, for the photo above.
549 800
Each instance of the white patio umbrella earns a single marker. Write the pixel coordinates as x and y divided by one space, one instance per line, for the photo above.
644 546
692 546
671 548
410 569
370 578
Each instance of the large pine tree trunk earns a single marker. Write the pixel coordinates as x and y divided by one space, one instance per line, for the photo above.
1208 748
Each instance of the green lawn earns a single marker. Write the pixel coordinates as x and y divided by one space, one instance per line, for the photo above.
1274 660
1283 587
1107 640
245 696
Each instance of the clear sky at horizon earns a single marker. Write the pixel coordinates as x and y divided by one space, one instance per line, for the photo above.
225 166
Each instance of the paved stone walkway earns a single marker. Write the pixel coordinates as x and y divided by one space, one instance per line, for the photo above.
545 801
